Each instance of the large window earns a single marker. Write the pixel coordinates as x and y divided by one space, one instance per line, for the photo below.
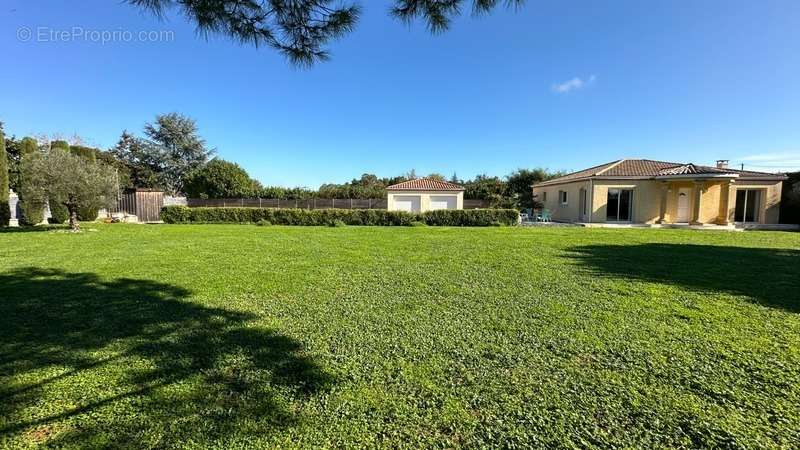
562 197
748 203
619 207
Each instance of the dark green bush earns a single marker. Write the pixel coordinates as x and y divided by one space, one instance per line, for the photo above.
32 211
88 213
58 213
323 217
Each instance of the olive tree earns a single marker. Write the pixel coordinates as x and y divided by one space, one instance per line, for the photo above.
61 177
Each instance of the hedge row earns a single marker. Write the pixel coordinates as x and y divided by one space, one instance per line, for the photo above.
311 217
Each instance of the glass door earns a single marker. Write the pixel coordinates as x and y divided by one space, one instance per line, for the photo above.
748 203
619 206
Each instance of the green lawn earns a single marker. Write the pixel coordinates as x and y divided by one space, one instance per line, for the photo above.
241 336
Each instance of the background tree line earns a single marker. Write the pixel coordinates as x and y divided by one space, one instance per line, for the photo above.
171 155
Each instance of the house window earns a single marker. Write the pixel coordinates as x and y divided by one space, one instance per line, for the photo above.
562 197
544 197
619 206
747 205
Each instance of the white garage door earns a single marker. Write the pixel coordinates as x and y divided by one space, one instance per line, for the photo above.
407 203
443 202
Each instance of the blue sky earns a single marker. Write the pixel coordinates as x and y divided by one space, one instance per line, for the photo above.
559 84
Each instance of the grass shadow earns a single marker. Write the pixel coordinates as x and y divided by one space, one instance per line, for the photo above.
768 276
132 362
32 229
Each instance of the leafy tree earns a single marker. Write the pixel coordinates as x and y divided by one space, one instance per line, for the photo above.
59 145
301 29
367 179
182 150
17 149
436 176
520 182
484 187
85 152
69 180
5 211
221 179
141 159
32 212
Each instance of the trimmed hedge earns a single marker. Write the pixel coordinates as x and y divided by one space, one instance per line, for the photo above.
321 217
58 213
32 211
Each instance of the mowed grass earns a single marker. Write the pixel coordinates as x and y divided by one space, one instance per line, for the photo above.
243 336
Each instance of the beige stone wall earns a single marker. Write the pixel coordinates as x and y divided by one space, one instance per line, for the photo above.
563 213
646 199
716 199
711 197
425 198
769 210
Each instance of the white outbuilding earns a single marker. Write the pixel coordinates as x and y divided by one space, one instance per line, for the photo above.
424 194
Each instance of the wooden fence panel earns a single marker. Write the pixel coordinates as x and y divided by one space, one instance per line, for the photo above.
311 203
148 205
476 204
145 205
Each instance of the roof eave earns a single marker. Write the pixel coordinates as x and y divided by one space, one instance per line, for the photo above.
684 176
426 190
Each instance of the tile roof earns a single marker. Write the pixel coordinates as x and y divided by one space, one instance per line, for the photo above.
650 168
425 184
689 169
592 171
638 168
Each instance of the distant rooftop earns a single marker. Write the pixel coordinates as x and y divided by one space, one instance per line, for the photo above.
425 184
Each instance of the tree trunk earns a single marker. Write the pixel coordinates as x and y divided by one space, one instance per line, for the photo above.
73 218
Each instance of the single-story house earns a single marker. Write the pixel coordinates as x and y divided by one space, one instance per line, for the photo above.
642 191
424 194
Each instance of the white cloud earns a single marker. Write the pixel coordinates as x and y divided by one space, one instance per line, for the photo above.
573 85
771 162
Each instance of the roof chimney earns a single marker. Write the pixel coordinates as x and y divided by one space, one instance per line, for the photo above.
722 164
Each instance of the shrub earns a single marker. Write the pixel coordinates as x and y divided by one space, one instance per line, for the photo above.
471 217
418 223
322 217
58 213
264 223
32 211
88 213
337 223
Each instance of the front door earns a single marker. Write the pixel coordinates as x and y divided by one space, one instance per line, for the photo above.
683 205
